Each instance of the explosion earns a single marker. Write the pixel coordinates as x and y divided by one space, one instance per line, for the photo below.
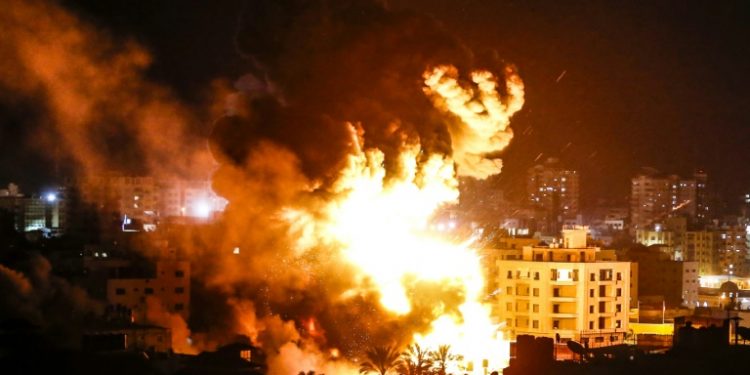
380 222
332 179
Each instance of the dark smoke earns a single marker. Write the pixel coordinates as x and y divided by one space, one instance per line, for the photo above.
314 66
33 295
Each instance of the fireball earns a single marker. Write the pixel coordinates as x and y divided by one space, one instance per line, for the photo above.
378 217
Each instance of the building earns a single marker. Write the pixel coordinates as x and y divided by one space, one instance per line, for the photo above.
683 243
45 213
554 191
664 280
733 257
562 290
139 203
168 284
655 197
190 198
128 337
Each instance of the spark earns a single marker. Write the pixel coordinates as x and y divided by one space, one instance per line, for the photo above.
560 77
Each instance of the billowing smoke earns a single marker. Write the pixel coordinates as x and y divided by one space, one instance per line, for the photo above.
32 294
327 82
319 72
99 110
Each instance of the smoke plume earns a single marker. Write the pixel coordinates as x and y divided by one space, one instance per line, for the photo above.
334 91
31 293
99 110
327 82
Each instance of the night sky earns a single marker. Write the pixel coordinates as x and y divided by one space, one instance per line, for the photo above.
609 88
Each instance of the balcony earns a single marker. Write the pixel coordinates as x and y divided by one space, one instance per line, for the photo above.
564 299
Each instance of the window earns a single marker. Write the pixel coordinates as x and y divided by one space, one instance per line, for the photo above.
602 291
591 293
555 309
509 306
536 275
619 276
179 290
592 277
619 292
618 324
535 308
148 290
591 309
536 292
591 324
618 308
605 275
535 324
510 274
179 273
179 307
601 322
555 324
602 307
509 290
556 292
120 291
245 354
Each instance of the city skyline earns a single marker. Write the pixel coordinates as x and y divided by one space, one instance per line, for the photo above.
604 112
300 187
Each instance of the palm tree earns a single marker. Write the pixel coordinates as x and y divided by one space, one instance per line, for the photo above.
380 359
415 361
441 357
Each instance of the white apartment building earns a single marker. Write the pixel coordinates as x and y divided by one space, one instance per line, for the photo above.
562 289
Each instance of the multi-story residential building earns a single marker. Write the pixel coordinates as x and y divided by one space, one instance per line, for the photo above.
139 202
563 290
554 191
191 198
701 246
655 197
44 213
169 285
733 257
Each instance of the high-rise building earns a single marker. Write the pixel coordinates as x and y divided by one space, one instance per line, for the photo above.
654 197
564 290
554 191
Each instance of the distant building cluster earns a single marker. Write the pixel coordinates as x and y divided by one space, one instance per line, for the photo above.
132 203
675 215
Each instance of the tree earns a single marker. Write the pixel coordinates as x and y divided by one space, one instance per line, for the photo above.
415 361
441 357
380 359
